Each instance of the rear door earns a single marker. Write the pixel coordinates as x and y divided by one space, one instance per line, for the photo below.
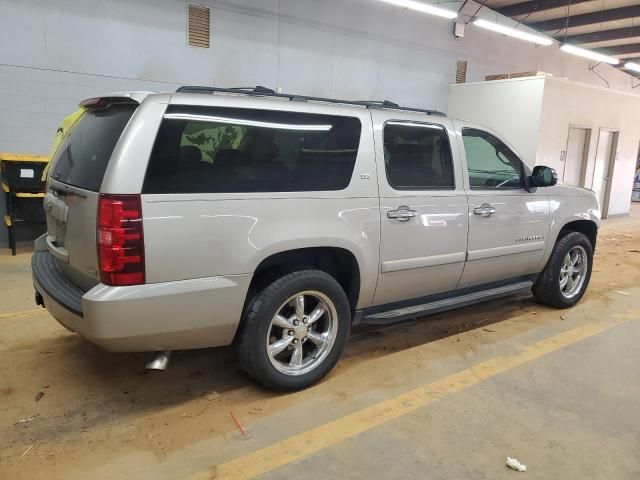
508 225
74 181
423 207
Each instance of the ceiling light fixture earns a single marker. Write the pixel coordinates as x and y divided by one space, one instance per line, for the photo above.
632 66
512 32
423 7
582 52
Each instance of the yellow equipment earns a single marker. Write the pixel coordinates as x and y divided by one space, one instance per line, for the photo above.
24 188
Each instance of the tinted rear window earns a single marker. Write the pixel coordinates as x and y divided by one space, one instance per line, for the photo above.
229 150
83 156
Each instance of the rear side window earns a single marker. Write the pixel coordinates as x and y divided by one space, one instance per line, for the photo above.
232 150
417 156
84 154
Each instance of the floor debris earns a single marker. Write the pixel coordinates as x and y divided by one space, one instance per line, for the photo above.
213 395
28 450
235 420
620 292
26 419
516 465
39 396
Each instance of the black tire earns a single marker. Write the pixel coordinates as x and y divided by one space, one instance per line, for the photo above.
251 345
547 289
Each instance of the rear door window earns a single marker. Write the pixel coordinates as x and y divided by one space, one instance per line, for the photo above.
417 156
83 156
232 150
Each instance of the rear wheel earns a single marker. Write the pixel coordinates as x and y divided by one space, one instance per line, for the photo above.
566 276
294 330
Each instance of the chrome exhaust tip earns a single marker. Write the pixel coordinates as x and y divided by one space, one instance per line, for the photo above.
160 361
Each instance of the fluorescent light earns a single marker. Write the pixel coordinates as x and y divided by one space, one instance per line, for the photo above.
249 123
582 52
512 32
632 66
423 7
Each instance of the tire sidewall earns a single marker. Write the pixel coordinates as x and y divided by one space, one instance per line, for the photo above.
560 251
259 321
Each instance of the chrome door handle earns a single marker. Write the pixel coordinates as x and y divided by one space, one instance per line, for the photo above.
402 213
484 210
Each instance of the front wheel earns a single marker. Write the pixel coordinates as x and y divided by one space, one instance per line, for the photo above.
295 330
565 278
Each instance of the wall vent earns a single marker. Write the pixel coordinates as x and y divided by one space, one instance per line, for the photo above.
461 71
198 25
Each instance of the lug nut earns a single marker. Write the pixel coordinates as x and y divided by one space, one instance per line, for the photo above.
291 332
305 319
295 340
296 323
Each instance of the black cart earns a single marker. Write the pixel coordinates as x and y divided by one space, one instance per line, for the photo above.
24 188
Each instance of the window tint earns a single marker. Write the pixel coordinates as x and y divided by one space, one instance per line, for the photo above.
490 162
227 150
84 154
417 156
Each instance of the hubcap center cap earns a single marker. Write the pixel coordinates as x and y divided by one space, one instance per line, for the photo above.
300 331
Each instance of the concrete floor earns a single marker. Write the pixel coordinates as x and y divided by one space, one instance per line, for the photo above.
448 397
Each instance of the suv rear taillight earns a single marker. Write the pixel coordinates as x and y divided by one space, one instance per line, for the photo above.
120 240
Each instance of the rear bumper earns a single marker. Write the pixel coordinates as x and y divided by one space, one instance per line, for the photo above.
198 313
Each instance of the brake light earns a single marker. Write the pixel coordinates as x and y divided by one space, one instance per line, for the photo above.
120 240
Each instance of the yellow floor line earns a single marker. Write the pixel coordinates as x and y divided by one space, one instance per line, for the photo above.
24 313
312 441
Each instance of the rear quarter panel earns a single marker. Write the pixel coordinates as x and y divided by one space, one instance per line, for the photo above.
207 234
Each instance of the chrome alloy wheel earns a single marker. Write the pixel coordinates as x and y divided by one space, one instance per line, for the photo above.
573 272
302 333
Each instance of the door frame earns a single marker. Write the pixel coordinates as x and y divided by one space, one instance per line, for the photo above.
585 153
613 156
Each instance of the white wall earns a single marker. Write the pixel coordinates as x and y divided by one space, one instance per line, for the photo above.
55 53
512 107
571 103
534 115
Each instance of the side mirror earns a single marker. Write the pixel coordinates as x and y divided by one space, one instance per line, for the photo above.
544 176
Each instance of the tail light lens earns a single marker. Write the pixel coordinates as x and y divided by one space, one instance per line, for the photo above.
120 240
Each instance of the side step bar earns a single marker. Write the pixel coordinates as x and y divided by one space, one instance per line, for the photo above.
428 308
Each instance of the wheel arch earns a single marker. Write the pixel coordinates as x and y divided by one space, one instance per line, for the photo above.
587 227
339 262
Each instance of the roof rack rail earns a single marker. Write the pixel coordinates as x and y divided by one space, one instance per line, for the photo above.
261 91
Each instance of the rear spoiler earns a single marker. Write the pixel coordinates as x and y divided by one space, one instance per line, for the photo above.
104 101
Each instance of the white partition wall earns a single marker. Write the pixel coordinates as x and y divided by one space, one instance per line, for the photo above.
590 135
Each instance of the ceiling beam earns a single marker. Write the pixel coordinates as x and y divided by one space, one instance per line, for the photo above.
620 49
588 18
604 35
533 6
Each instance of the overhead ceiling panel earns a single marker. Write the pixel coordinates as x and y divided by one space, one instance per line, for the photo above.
610 26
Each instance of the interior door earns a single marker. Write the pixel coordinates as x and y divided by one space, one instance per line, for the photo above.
423 208
603 168
508 225
577 149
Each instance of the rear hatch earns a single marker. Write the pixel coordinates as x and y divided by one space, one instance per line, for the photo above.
74 181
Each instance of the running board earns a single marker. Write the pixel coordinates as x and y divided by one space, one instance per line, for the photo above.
450 303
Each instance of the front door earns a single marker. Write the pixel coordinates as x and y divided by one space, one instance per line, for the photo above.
423 208
508 226
603 168
577 150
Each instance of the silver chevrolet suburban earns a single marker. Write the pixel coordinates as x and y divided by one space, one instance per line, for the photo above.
275 222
